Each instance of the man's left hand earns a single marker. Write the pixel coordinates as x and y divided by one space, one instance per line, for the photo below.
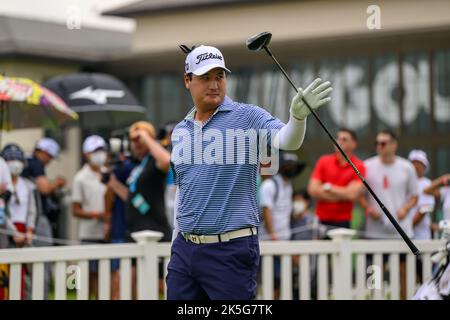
316 95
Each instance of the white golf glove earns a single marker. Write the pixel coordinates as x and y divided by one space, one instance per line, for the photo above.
316 95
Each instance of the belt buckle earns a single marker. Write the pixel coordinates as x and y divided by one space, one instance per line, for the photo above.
194 238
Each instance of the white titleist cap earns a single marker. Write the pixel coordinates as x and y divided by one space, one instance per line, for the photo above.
204 58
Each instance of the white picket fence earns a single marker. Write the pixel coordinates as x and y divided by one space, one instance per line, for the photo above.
346 258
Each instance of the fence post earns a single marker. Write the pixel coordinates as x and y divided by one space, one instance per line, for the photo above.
343 263
147 264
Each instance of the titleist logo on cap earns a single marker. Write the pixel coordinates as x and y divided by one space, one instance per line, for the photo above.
204 58
207 56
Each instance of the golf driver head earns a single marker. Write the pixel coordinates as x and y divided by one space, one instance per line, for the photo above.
259 41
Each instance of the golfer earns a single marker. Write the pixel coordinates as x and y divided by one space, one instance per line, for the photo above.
215 250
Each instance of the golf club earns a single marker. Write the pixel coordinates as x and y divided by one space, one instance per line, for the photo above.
261 41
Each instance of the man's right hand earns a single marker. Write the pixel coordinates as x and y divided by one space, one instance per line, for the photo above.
316 95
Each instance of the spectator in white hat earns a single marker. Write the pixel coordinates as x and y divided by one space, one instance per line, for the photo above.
48 205
422 222
45 151
21 208
88 200
50 148
425 203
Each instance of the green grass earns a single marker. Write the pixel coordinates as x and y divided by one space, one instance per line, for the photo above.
70 295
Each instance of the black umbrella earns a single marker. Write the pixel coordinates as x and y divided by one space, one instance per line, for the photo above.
101 100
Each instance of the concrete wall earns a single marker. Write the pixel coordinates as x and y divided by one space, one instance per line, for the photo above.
37 70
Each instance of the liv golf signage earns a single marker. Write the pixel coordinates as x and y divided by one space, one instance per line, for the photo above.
350 105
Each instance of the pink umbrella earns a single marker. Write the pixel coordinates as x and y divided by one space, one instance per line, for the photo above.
26 104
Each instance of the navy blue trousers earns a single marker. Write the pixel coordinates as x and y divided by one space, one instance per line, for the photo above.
217 271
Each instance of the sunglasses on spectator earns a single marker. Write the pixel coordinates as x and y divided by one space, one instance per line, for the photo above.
381 143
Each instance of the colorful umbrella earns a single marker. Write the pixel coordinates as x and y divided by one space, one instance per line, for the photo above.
26 104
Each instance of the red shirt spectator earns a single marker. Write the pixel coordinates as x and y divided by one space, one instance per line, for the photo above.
329 170
335 185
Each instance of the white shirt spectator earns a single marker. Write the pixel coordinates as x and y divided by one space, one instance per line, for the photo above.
425 205
276 195
22 205
89 191
394 184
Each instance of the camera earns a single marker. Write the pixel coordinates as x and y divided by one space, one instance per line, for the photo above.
105 177
119 145
6 195
119 153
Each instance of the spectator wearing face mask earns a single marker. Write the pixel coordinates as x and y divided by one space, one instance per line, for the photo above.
276 203
303 222
276 199
88 200
22 203
304 226
22 209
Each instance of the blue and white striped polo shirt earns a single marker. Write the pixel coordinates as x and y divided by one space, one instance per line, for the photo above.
215 172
